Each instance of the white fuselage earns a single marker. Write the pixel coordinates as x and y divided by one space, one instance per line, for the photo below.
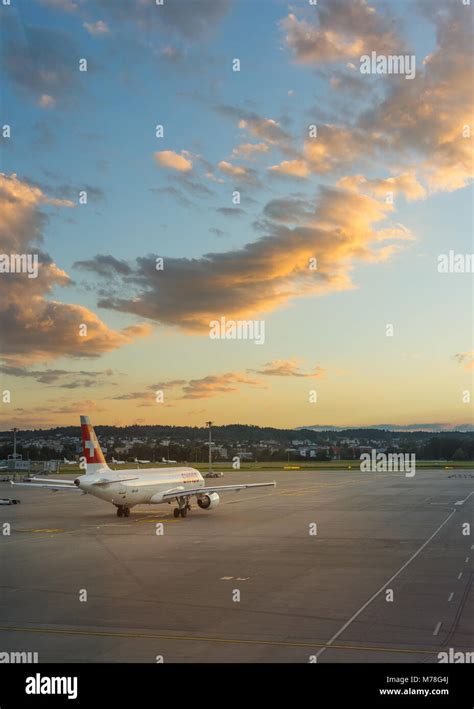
137 487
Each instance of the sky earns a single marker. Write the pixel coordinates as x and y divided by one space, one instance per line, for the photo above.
175 164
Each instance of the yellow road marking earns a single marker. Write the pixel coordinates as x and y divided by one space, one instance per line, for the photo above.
40 531
196 638
156 519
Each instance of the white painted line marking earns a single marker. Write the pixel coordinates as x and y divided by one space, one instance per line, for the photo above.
460 574
226 578
450 596
382 588
242 578
436 630
466 560
461 502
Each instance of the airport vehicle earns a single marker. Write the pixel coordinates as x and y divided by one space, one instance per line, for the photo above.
9 501
127 488
117 462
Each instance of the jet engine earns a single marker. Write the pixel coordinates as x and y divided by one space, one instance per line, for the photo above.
207 502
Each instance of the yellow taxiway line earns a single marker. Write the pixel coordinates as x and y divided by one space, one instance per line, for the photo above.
203 639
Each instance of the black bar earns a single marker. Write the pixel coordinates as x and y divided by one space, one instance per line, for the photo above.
323 685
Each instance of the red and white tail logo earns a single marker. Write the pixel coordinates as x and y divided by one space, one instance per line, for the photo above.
90 445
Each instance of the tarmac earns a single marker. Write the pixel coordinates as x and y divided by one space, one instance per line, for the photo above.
339 566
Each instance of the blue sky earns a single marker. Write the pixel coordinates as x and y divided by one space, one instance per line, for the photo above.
299 66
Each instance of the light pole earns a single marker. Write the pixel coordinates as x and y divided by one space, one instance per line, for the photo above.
14 452
14 442
209 425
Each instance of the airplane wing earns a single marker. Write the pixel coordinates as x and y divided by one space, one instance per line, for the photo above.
181 492
49 486
69 484
50 480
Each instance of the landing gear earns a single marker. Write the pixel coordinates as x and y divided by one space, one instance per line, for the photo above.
183 508
123 511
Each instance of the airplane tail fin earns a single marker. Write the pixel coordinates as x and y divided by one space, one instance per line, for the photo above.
91 449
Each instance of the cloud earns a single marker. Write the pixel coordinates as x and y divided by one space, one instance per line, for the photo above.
37 60
289 210
65 193
97 29
249 150
231 211
51 376
172 54
266 129
175 194
343 30
209 386
203 388
102 265
193 187
429 118
82 384
217 232
174 161
170 384
347 81
47 412
133 396
263 275
289 368
176 16
46 101
237 171
65 5
405 183
334 148
292 168
34 327
214 385
424 123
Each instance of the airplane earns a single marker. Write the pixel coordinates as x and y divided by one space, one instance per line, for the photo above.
164 460
69 462
117 462
141 461
131 487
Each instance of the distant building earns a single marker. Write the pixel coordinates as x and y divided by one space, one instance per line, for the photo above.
220 451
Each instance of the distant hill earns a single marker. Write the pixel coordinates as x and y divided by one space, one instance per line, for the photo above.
243 432
409 428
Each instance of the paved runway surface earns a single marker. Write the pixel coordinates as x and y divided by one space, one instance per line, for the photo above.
301 596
